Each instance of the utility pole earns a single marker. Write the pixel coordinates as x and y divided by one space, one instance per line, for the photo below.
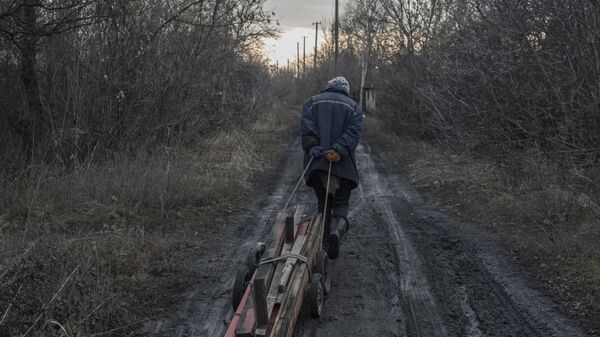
304 57
316 44
298 57
365 63
288 67
337 35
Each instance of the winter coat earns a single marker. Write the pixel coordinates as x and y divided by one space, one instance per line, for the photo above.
334 121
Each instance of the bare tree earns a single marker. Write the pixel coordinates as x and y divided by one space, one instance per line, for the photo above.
101 75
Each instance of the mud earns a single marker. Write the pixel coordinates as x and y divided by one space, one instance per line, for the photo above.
407 268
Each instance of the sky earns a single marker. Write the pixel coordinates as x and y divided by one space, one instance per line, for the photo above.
296 18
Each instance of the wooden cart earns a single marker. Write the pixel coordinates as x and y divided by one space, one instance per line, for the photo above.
275 278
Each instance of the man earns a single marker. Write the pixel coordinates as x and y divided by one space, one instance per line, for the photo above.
331 126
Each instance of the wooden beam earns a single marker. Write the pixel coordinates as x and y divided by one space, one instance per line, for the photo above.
290 233
237 317
274 297
246 324
260 308
289 310
290 263
264 274
298 215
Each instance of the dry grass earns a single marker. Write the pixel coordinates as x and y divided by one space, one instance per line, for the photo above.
530 201
102 247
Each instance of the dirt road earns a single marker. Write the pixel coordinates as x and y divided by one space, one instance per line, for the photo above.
407 268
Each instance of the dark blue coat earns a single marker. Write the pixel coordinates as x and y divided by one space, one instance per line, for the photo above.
332 120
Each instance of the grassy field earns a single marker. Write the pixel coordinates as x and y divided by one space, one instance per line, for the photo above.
532 204
99 249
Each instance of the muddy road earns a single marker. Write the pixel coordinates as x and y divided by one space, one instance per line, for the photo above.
406 268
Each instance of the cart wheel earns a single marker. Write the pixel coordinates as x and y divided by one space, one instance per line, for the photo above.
322 267
242 279
316 295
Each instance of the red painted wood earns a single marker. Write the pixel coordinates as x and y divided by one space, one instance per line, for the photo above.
302 228
243 322
245 325
236 317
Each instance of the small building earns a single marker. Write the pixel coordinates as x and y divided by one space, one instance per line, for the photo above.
370 100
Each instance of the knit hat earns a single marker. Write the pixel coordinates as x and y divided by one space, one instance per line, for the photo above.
339 82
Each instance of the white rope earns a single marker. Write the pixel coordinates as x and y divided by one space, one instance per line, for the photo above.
326 188
298 184
327 193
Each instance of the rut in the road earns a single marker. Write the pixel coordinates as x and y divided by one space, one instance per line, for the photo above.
409 269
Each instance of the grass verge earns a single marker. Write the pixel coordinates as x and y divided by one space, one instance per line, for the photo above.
99 251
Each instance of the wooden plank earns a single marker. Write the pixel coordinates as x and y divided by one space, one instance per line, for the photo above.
289 310
290 262
237 317
264 273
273 295
246 323
298 215
275 245
290 233
260 308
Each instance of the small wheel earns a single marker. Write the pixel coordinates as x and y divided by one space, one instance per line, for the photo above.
316 295
242 279
322 267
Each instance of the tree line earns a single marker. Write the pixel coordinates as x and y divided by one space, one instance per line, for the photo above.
491 76
82 78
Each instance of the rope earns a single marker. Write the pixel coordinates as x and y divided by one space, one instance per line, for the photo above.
284 257
327 193
300 181
298 184
326 198
326 190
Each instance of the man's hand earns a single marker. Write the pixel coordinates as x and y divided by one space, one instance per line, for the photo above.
332 155
316 152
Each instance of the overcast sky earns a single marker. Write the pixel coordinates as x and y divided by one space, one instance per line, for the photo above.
296 18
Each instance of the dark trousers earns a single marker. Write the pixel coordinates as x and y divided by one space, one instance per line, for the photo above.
337 204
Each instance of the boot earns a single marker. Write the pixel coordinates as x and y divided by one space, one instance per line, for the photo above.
339 227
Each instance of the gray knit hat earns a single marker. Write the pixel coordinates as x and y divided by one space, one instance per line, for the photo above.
339 82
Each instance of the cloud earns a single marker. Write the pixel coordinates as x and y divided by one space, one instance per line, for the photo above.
301 13
296 18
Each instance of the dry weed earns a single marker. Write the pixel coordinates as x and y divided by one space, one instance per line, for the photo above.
100 248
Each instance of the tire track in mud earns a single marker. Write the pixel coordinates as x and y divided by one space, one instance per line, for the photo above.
391 268
410 269
406 268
